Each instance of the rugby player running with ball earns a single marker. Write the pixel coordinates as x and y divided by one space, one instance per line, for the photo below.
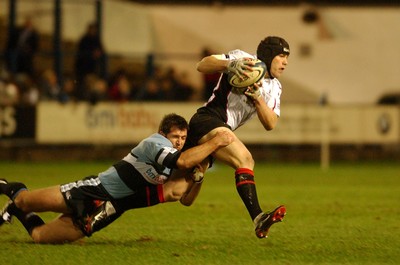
227 109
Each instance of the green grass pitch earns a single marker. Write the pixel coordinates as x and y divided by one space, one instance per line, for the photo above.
348 214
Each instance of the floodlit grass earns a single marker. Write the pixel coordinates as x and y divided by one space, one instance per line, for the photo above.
346 215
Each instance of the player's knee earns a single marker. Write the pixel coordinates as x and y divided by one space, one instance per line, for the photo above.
250 161
37 236
247 160
41 235
20 201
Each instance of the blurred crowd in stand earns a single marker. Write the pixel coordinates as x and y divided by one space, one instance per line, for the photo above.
89 81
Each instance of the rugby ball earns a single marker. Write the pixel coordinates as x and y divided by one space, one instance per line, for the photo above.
259 70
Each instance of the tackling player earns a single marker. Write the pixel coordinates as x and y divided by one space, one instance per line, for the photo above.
94 202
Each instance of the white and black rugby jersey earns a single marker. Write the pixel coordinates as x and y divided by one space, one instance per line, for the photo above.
152 159
232 106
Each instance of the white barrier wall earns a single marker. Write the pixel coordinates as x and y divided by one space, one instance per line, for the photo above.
306 124
104 123
108 123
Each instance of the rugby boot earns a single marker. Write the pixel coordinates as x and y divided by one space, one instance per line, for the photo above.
264 221
3 183
11 189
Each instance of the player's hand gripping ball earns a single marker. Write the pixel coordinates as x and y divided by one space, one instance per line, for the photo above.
253 92
258 72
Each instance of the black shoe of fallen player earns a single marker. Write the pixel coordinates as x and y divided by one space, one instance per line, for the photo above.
11 189
3 182
5 216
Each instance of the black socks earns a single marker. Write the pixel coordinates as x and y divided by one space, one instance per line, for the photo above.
246 188
28 220
11 189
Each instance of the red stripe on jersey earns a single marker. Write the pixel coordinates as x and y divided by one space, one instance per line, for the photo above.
148 196
160 193
97 203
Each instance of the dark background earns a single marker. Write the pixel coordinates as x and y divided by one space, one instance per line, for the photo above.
276 2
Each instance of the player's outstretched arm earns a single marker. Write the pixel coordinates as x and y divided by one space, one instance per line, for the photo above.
219 64
212 64
195 155
195 183
184 185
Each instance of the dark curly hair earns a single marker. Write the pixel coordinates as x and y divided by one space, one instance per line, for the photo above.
172 120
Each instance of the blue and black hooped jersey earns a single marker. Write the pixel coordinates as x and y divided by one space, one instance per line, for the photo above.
152 161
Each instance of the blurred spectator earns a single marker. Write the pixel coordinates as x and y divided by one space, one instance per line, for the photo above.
69 91
150 91
210 80
49 86
9 93
167 88
21 48
169 84
173 86
97 89
31 96
89 57
28 90
121 89
166 85
184 90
